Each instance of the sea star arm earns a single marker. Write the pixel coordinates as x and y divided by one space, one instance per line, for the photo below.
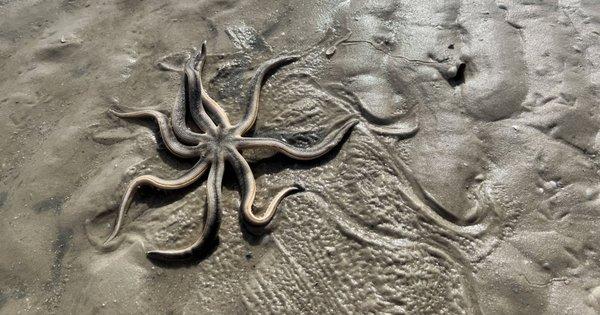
401 131
331 140
211 218
248 192
178 118
193 93
168 184
250 116
166 132
211 105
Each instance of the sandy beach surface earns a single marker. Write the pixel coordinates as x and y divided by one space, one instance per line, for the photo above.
469 185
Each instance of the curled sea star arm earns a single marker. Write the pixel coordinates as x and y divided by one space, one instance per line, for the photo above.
211 105
168 184
178 119
166 132
248 192
211 218
331 140
249 117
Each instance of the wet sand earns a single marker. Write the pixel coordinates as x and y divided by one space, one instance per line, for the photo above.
470 185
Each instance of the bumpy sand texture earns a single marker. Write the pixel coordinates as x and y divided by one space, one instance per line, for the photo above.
470 184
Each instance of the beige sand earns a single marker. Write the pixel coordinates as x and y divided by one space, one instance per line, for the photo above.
469 186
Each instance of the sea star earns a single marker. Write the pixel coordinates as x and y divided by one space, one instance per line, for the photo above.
220 141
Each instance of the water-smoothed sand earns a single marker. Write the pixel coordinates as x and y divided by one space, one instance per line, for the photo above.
470 185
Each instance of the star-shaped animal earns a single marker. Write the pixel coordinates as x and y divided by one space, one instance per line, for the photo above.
219 142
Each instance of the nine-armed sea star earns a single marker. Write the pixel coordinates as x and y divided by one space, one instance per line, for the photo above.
220 141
